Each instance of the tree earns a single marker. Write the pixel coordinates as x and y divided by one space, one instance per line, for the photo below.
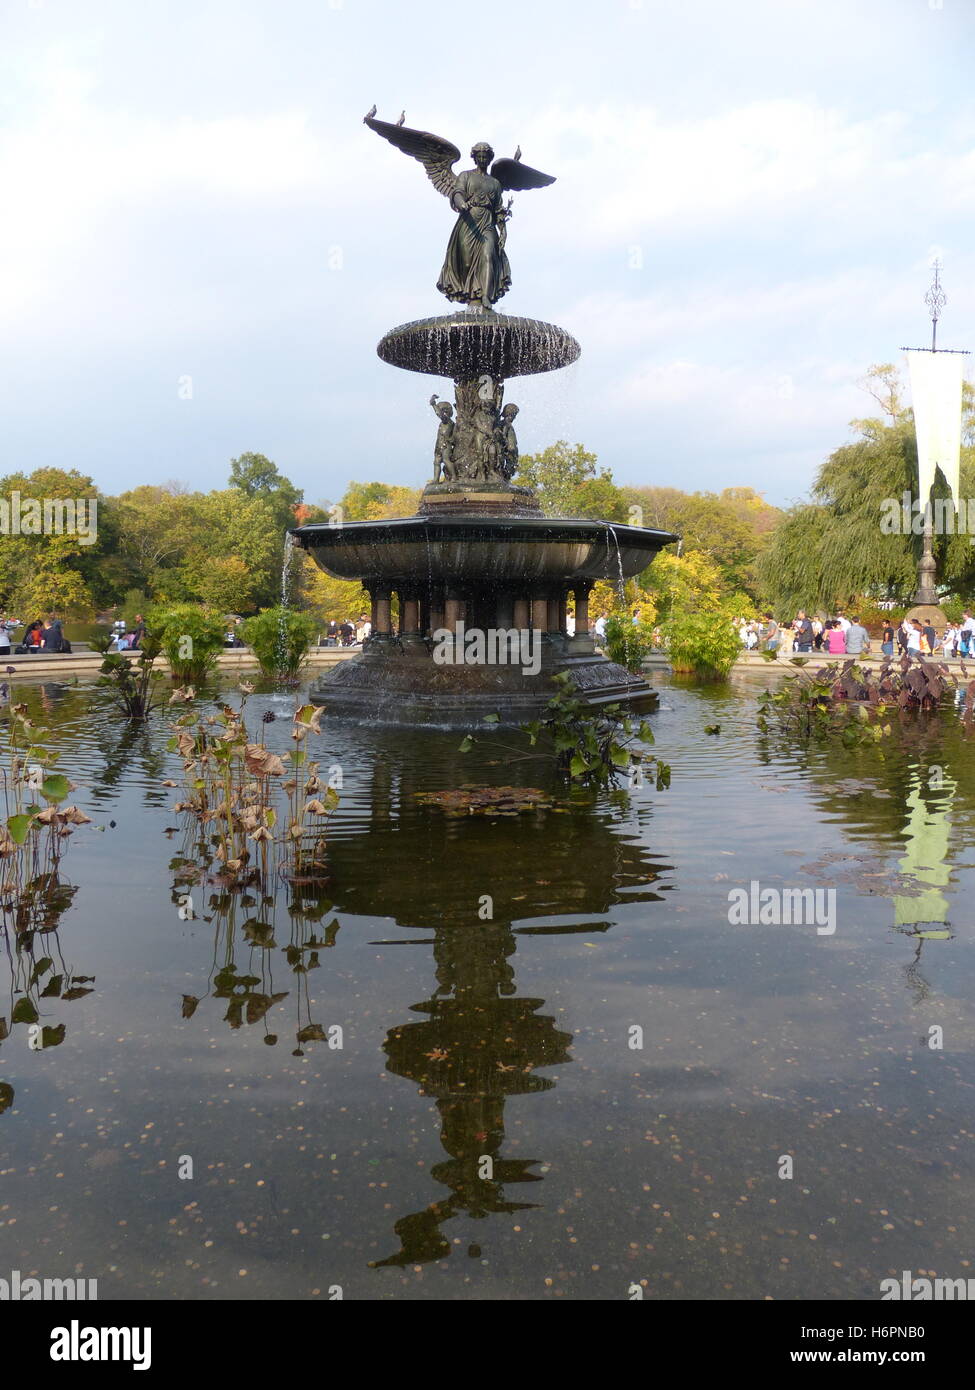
259 480
832 551
565 480
48 544
378 502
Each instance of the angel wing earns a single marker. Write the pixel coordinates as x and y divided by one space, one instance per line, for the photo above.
515 177
434 153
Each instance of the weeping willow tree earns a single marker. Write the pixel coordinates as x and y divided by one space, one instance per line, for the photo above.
831 551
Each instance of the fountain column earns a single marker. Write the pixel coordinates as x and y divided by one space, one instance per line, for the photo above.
581 643
409 608
454 611
383 622
522 614
540 613
505 613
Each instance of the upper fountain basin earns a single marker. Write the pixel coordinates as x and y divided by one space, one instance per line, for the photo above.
481 551
471 342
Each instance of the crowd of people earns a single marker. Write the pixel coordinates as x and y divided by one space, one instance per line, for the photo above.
42 635
846 636
348 633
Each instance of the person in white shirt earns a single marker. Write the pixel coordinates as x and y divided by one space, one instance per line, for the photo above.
914 637
599 627
7 626
967 638
843 621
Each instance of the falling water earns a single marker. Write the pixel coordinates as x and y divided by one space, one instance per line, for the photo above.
289 550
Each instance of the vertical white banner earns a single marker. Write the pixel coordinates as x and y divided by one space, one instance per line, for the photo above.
936 393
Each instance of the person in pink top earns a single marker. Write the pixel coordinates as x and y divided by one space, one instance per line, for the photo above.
836 640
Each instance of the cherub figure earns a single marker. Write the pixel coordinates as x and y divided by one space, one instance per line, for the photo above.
508 442
443 450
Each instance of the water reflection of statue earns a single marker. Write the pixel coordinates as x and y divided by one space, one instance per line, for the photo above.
443 451
476 269
478 1045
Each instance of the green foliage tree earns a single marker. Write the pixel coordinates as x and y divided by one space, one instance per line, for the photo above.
831 551
565 479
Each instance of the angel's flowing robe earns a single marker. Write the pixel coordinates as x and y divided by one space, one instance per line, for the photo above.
476 267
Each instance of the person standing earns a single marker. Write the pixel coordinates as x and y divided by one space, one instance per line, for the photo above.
771 633
930 643
915 637
804 632
887 638
7 626
967 634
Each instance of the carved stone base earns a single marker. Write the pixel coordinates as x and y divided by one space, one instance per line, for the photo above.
401 684
474 499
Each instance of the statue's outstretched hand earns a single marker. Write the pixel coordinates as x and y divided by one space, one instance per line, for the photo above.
460 202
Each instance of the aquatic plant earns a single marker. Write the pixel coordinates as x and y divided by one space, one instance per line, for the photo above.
233 787
280 638
131 682
33 897
590 746
852 702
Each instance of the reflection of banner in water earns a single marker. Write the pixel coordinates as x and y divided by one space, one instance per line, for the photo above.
936 379
927 833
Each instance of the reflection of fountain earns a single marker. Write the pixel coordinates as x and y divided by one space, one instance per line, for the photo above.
479 1043
924 914
479 555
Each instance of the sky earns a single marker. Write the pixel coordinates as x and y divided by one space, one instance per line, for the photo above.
201 243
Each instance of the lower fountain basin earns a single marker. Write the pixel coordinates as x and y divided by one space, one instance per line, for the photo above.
489 553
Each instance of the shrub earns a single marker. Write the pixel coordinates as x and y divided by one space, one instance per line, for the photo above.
280 638
627 643
191 636
705 644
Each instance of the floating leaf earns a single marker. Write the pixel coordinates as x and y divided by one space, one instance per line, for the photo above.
312 1032
6 1096
190 1003
53 987
76 992
53 1037
24 1011
18 827
55 788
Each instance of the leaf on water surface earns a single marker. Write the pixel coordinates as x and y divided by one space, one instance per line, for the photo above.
24 1011
53 987
42 965
482 801
55 788
312 1032
190 1003
4 1030
259 934
18 827
53 1037
76 992
6 1096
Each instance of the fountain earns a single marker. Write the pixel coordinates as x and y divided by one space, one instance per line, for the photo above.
482 578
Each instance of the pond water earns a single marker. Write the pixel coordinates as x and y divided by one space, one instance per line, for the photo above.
494 1124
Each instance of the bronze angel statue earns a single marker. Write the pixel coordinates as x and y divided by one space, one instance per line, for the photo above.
476 269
